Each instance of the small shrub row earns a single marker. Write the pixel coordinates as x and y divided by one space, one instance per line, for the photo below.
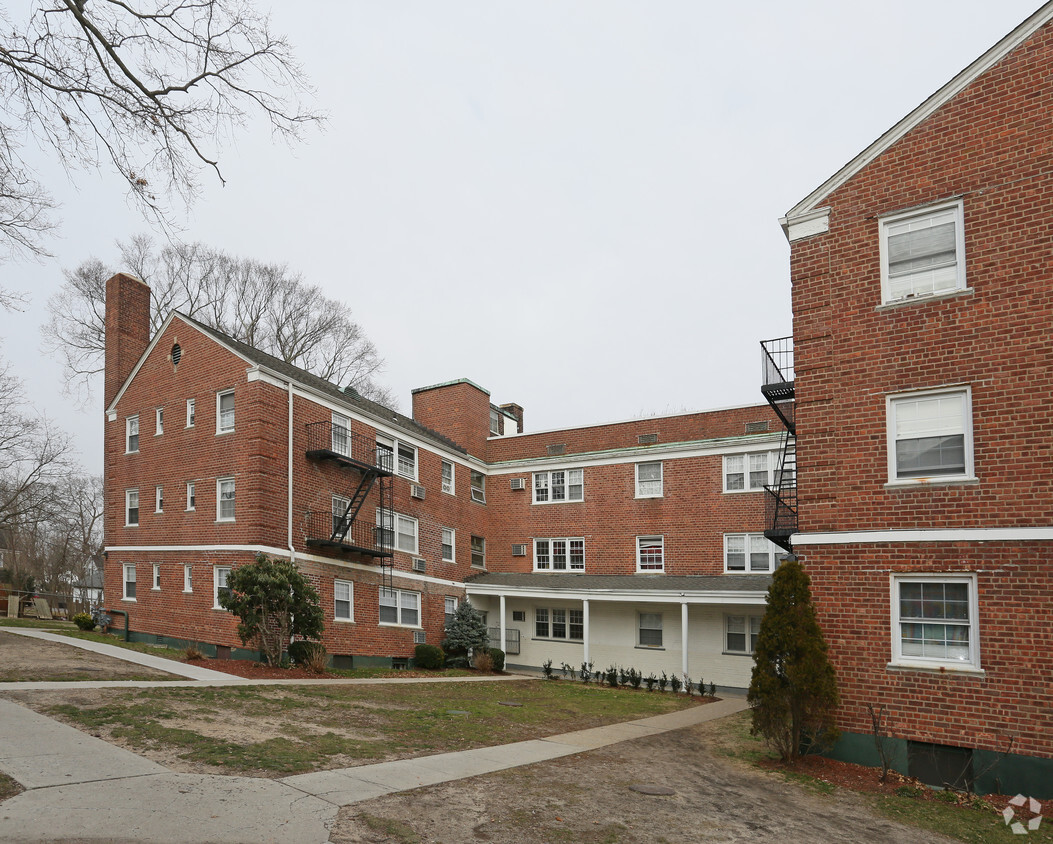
432 658
615 676
310 655
84 621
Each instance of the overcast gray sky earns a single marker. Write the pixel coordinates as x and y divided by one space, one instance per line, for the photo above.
572 203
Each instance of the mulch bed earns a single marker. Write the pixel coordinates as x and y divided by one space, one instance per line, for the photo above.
259 671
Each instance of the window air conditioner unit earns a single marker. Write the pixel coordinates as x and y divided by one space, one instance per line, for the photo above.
420 637
419 564
519 550
416 491
518 483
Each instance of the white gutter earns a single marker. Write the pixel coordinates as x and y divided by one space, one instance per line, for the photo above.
292 549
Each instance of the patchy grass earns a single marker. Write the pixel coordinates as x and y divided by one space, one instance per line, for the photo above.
138 647
294 729
396 831
39 624
978 823
8 787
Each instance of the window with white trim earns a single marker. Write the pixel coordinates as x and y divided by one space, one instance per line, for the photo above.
934 621
922 253
131 507
559 623
343 605
191 496
450 610
740 633
341 434
159 421
131 434
397 531
190 409
398 457
224 412
340 505
188 578
478 483
225 500
559 485
649 480
159 499
750 472
930 436
449 545
749 553
649 631
447 477
220 580
399 607
478 552
157 576
129 582
559 554
495 422
650 553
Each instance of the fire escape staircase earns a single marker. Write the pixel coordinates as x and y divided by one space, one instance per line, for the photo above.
777 387
346 532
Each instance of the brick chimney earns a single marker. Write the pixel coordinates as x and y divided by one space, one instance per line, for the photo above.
127 329
517 412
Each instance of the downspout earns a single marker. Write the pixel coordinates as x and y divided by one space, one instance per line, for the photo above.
292 549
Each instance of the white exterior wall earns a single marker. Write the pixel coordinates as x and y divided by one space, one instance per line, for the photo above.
613 638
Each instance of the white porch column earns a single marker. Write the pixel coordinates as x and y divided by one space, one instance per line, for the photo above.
504 639
585 627
683 639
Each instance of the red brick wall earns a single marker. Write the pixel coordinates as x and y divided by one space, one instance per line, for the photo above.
459 410
127 329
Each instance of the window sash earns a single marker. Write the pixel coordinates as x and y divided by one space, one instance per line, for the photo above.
934 620
159 421
648 480
407 461
220 575
922 254
191 496
225 411
190 412
131 507
449 537
650 630
399 607
478 483
385 454
740 633
157 576
447 477
159 499
131 430
225 500
129 581
478 552
406 533
541 623
188 578
342 591
650 553
341 434
559 485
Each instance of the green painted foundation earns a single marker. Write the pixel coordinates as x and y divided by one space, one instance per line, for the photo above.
178 644
1001 773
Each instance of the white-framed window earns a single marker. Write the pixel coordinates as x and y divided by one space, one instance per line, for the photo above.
478 483
191 496
649 630
749 553
398 457
190 411
397 531
224 411
559 554
157 577
740 633
129 582
649 480
495 422
340 505
220 578
159 421
749 472
343 603
398 606
930 435
934 621
559 623
449 610
447 477
341 434
650 553
922 253
159 499
449 545
559 485
131 434
478 552
131 507
188 578
225 500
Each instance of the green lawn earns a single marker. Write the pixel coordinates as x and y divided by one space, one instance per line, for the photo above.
38 623
285 730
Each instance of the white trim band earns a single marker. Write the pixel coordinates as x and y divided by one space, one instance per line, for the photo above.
869 537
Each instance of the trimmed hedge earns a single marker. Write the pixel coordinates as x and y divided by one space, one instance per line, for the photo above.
430 657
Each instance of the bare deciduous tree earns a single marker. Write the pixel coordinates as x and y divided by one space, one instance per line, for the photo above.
264 305
148 88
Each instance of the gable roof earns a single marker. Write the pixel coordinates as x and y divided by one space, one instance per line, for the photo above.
252 355
984 63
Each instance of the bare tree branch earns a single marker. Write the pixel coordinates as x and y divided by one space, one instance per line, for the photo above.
151 88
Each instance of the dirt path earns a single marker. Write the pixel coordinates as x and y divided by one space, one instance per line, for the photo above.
587 799
27 659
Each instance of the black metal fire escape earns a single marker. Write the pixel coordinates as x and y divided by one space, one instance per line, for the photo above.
777 388
344 530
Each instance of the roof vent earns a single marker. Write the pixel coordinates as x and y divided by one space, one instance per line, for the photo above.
560 448
756 427
351 391
177 353
647 439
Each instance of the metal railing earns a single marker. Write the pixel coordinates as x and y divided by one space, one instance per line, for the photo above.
511 639
333 531
324 439
777 361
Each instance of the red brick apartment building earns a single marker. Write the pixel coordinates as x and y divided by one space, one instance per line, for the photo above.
917 392
637 543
